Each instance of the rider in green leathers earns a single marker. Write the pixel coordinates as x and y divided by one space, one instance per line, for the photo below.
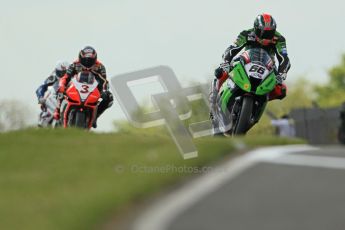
265 36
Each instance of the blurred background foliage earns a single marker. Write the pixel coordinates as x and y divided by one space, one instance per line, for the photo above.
333 93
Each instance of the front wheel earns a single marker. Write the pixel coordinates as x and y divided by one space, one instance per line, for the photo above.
77 119
244 120
80 120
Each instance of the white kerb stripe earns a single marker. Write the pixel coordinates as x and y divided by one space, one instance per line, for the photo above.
312 161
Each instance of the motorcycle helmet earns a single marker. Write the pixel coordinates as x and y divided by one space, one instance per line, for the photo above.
88 56
61 68
264 28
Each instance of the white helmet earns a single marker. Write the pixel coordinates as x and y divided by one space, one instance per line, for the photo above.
61 68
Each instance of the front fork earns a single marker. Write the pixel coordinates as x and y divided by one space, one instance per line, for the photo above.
259 108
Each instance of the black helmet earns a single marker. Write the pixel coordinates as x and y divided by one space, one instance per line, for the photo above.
88 56
265 26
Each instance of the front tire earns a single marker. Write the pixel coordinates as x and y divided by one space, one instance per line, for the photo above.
244 120
80 120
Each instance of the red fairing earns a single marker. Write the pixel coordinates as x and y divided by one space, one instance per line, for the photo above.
73 93
93 98
90 102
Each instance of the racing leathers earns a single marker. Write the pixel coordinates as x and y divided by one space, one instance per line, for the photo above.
275 47
99 71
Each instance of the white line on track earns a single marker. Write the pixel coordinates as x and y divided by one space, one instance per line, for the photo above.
161 214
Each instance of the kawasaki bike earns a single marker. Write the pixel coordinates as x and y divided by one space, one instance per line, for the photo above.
242 98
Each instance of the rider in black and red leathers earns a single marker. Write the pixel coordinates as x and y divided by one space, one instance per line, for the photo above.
87 61
265 36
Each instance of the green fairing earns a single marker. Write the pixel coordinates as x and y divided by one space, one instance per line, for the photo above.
267 85
225 98
240 78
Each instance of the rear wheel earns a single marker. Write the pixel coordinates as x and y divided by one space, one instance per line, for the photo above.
244 120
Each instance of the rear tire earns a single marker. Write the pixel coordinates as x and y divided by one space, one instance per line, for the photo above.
245 115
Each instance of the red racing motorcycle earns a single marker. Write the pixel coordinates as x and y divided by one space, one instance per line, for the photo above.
80 102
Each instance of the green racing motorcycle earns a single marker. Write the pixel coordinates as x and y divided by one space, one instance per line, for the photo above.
242 98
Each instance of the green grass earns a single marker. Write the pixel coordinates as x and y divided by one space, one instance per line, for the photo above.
71 179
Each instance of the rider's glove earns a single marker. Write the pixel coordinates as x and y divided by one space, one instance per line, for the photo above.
280 78
224 67
218 72
106 95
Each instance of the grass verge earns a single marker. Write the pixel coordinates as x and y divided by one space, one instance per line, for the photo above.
71 179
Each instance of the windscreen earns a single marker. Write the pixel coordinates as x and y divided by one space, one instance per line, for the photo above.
258 56
85 77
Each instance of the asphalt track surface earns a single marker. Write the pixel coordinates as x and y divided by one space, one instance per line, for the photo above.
269 189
